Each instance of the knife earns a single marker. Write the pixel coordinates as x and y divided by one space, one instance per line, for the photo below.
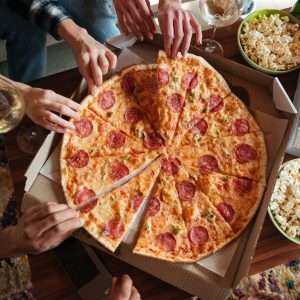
116 184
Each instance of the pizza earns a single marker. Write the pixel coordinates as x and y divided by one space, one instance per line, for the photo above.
193 156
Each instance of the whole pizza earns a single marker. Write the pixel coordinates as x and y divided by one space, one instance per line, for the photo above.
209 159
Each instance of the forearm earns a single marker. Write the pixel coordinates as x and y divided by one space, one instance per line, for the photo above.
70 31
8 247
21 86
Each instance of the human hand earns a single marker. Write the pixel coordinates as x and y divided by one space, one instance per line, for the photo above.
177 27
135 16
41 104
93 59
123 290
43 227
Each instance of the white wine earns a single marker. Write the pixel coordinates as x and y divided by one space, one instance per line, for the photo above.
219 13
12 106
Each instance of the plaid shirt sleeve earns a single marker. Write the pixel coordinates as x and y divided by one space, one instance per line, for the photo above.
47 14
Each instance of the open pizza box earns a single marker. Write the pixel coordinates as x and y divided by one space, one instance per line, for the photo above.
212 277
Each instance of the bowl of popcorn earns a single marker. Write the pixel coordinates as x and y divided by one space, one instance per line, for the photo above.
284 207
269 40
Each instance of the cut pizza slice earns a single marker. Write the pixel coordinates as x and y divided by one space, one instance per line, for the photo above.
164 234
171 94
116 104
236 198
233 119
81 172
243 156
99 138
207 229
109 217
205 92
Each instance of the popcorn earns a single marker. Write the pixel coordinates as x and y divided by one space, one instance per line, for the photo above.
285 201
272 42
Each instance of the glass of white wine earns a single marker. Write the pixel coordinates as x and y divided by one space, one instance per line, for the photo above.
12 106
219 13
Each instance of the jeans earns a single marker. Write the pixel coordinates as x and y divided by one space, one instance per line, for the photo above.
26 43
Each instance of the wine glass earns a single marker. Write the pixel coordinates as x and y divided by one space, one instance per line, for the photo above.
12 106
219 13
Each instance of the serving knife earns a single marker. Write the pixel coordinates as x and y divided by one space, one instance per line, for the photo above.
116 184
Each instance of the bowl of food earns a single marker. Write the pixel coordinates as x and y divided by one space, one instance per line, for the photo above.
269 40
284 207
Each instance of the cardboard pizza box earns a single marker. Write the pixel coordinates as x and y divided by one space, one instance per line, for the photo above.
212 277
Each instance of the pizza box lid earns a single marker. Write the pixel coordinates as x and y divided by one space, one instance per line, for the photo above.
276 115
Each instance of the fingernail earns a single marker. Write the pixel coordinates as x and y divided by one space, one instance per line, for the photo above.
71 126
94 91
77 117
81 220
80 108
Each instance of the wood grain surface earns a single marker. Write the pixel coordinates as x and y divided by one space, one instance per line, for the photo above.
48 278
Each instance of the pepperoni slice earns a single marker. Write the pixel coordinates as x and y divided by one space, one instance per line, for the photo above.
185 189
170 166
242 185
154 141
116 138
154 207
208 164
118 171
226 211
198 235
175 102
162 77
127 84
83 128
244 153
240 127
115 228
136 202
133 115
189 81
216 103
84 195
198 126
107 100
167 241
79 159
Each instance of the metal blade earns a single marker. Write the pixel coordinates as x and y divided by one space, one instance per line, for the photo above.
116 184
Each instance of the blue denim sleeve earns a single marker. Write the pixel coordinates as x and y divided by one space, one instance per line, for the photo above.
47 14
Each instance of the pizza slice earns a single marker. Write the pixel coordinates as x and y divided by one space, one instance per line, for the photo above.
164 234
81 172
171 94
116 104
108 219
243 156
233 119
205 92
207 229
236 198
99 138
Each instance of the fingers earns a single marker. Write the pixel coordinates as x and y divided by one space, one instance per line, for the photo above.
140 24
196 26
125 288
147 14
61 109
178 30
121 21
68 102
52 127
112 59
131 24
42 211
168 31
58 232
134 294
58 121
97 67
187 28
57 218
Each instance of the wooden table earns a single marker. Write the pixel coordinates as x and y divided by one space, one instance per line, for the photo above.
49 280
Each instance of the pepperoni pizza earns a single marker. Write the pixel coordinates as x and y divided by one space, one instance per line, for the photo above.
212 169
